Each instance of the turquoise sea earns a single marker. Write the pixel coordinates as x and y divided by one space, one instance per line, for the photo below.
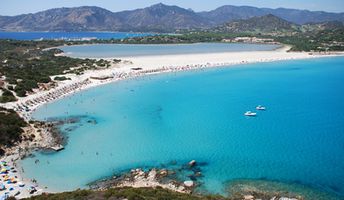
124 50
157 119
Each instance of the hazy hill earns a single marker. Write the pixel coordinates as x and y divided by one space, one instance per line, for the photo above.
228 13
63 19
264 24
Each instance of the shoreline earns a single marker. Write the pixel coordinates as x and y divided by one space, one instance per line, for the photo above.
147 65
155 64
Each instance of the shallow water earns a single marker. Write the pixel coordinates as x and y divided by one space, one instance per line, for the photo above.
124 50
199 115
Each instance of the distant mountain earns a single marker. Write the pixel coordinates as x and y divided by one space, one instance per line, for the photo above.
263 24
225 14
159 17
63 19
228 13
272 25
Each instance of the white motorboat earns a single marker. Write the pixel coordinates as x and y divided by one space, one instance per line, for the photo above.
260 107
250 114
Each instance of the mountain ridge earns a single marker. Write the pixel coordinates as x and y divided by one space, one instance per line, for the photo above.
259 25
158 18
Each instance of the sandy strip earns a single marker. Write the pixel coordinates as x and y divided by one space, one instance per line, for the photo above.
149 65
156 64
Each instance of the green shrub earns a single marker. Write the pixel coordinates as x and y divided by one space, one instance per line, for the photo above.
7 96
11 125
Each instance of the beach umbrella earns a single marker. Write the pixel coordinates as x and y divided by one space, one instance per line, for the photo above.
21 184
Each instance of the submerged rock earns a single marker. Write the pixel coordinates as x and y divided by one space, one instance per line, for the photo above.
198 174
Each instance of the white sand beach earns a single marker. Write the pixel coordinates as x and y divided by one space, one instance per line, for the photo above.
151 65
144 65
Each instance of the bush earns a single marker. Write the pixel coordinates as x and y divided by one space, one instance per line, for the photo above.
61 78
11 125
20 92
7 96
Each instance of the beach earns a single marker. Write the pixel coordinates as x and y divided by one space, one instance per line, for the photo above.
131 67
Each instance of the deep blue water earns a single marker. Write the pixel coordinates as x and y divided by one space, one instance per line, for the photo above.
124 50
67 35
199 115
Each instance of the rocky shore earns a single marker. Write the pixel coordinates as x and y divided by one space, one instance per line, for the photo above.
37 136
173 179
179 178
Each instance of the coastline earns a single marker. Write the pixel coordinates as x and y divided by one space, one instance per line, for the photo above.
154 64
149 65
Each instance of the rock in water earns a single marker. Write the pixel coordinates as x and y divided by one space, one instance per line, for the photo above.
189 183
192 163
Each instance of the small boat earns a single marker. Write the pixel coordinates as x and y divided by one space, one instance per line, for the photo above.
260 107
250 114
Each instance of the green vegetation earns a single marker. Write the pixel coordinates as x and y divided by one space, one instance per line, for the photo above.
124 193
61 78
236 192
11 128
25 64
325 40
186 37
7 96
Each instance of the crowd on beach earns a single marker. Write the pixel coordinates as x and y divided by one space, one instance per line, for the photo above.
25 108
10 183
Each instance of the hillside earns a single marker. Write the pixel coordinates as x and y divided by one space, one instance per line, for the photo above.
63 19
264 24
229 13
159 18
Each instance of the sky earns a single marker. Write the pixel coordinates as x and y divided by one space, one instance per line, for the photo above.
15 7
